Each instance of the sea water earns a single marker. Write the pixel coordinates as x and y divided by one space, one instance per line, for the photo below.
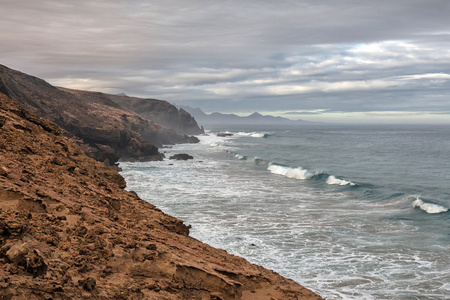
350 212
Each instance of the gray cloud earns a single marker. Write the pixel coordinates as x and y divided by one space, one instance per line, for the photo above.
309 57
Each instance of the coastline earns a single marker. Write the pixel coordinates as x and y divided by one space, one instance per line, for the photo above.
71 231
307 228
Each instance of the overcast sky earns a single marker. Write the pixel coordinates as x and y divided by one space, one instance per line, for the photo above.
345 61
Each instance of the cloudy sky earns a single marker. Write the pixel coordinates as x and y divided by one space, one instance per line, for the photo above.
323 60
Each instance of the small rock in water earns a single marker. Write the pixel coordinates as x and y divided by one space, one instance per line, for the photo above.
182 156
224 134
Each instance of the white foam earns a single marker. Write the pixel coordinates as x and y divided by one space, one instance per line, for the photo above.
211 141
333 180
296 173
300 230
429 207
241 157
216 144
251 134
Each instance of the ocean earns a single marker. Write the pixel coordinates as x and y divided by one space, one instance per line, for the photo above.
348 211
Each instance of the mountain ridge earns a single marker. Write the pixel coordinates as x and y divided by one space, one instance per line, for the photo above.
106 130
161 112
255 118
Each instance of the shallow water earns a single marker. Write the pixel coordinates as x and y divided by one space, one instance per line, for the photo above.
351 212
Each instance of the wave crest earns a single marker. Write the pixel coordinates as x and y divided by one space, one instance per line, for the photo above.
430 208
252 134
296 173
241 157
259 161
336 181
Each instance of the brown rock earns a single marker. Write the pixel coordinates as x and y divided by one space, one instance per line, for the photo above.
28 256
72 232
105 129
161 112
87 284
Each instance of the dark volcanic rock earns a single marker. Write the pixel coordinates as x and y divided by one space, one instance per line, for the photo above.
107 131
181 156
224 134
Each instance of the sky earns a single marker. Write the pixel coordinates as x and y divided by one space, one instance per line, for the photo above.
347 61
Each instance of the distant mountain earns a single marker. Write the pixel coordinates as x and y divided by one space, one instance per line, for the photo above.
216 118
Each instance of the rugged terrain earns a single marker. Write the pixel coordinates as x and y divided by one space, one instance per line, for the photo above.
161 112
107 130
69 230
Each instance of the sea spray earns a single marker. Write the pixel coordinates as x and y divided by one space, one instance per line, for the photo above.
336 181
252 134
429 207
295 173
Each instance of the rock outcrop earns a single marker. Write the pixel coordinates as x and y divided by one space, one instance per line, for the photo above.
181 156
161 112
107 130
69 230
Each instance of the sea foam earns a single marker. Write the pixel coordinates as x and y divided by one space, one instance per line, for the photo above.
252 134
333 180
429 207
241 157
296 173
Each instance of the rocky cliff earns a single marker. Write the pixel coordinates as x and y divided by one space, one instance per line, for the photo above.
107 130
161 112
69 230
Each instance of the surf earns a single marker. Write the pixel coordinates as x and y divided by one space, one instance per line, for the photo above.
429 208
295 173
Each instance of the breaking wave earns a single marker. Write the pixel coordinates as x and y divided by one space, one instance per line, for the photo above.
241 157
252 134
430 208
336 181
260 161
296 173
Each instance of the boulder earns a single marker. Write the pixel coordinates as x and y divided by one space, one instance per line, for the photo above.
181 156
224 134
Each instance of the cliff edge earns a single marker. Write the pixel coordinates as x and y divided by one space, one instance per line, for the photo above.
161 112
69 230
107 130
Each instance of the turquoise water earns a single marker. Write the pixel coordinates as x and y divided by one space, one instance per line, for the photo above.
351 212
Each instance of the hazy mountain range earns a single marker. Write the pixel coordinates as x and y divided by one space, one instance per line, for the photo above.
216 118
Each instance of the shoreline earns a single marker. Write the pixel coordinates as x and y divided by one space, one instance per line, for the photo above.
304 229
79 234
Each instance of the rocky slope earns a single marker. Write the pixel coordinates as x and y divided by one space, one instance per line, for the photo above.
107 130
161 112
68 230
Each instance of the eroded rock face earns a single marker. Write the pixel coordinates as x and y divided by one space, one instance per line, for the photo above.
69 230
105 129
154 128
161 112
